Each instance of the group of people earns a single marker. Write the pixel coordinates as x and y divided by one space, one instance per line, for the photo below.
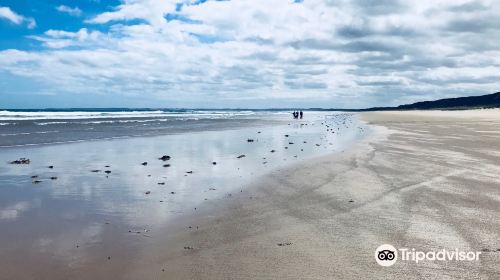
298 114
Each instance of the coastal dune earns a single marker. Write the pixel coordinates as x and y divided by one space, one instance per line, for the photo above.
423 179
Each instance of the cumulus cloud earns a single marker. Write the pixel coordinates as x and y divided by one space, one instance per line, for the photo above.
7 14
70 11
328 53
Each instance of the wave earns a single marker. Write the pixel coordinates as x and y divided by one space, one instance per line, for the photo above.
76 115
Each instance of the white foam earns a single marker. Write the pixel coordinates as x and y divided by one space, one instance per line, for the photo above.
11 115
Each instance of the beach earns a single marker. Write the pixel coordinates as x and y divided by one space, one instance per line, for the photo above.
84 193
426 180
308 199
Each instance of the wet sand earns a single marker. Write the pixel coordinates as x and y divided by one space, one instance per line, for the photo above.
102 209
425 180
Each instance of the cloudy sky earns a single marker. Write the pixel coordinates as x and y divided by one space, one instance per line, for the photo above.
245 53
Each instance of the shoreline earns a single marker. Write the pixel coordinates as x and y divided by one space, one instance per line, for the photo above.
323 218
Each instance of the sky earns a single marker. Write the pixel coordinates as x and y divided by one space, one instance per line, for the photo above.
245 53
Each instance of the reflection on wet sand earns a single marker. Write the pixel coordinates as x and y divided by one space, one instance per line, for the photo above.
79 220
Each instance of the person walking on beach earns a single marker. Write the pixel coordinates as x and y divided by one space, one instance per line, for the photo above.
301 114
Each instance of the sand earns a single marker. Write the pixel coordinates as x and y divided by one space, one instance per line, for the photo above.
424 180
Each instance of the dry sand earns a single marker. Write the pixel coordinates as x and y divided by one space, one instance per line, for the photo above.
425 180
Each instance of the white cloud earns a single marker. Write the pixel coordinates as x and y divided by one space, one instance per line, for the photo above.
8 14
324 53
70 11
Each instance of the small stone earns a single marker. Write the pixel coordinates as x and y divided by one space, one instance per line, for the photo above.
148 192
51 166
165 158
21 161
145 163
214 163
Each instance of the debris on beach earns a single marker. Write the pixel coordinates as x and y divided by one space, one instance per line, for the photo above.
189 172
165 158
211 189
95 170
148 192
53 178
172 192
51 166
214 163
34 176
250 140
36 181
241 156
21 161
188 248
166 165
351 200
107 171
145 163
285 244
272 151
161 183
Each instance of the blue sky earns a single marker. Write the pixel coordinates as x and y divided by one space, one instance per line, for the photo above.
246 53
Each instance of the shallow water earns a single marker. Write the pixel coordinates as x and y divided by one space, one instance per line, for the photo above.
76 221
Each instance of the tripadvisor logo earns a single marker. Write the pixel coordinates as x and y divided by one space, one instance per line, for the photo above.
387 255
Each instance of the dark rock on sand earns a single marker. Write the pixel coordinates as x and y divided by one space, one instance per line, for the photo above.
272 151
241 156
166 165
107 171
189 172
250 140
145 163
148 192
161 183
53 178
21 161
51 166
165 158
214 163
